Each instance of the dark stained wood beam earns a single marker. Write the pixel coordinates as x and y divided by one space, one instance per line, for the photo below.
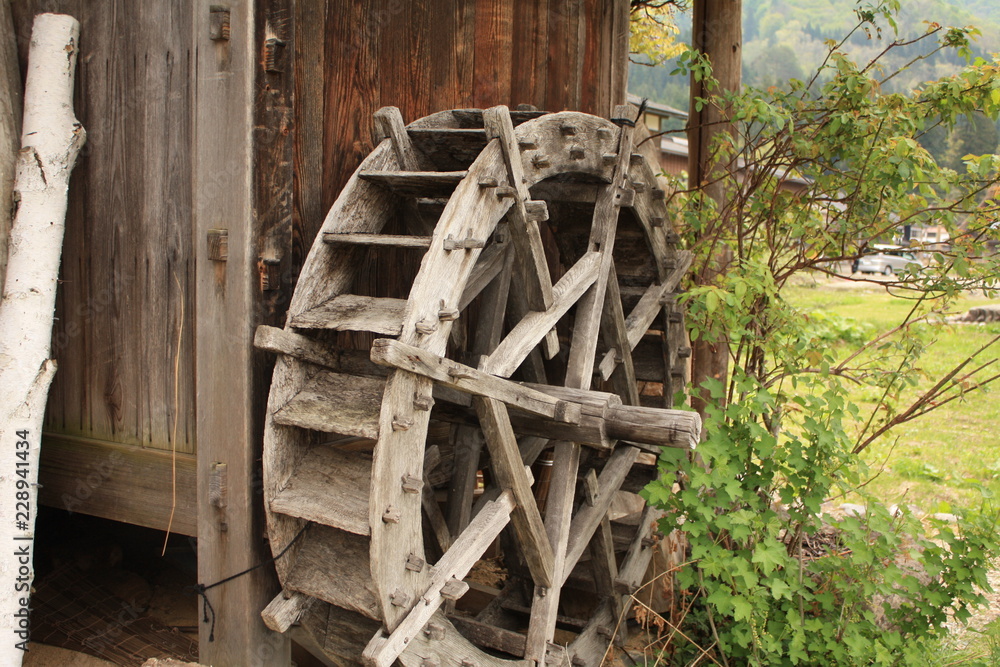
716 32
242 182
118 482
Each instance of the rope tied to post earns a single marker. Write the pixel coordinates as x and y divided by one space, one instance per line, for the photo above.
202 589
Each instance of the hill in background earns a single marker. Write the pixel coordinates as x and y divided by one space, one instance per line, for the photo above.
788 39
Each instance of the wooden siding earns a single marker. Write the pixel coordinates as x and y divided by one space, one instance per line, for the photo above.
126 283
427 55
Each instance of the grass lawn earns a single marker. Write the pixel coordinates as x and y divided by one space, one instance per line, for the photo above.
944 459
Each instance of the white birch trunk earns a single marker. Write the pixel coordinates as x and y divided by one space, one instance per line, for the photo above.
50 141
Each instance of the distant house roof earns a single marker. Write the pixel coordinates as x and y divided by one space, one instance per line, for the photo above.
676 145
657 108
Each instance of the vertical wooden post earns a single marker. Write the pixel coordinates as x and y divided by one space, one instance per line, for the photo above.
229 298
716 32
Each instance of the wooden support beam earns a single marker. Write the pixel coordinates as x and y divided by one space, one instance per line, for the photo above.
524 227
390 240
639 552
435 517
383 650
511 474
281 341
285 610
583 349
118 482
602 551
494 260
558 528
350 312
468 440
519 308
589 517
527 333
642 316
389 125
616 337
388 352
244 187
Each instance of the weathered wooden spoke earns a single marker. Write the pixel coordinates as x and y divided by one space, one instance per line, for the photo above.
428 347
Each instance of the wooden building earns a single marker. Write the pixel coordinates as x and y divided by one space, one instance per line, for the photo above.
218 137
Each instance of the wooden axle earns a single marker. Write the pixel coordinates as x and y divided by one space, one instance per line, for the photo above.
579 415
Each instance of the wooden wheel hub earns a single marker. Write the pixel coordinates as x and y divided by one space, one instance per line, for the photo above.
468 287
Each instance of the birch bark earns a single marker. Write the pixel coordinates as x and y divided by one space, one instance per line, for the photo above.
50 142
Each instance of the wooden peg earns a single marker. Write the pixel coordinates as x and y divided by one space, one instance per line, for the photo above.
576 152
527 144
412 484
489 183
609 158
468 243
537 210
422 403
391 515
415 563
568 129
401 424
625 197
454 589
540 161
605 134
446 314
399 598
426 327
506 192
458 373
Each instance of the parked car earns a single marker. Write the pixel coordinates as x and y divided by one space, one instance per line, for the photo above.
886 260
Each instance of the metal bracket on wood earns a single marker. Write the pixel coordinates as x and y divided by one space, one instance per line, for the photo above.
218 23
218 245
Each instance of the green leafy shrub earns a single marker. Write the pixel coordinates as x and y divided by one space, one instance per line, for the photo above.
775 577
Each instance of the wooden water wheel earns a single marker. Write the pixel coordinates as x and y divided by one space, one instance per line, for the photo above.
432 411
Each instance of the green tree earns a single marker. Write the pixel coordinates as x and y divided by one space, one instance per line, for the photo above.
791 434
653 31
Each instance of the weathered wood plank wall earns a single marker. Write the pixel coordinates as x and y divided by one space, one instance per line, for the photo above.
127 267
427 55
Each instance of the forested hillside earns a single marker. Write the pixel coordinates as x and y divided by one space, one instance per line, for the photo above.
788 39
785 39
